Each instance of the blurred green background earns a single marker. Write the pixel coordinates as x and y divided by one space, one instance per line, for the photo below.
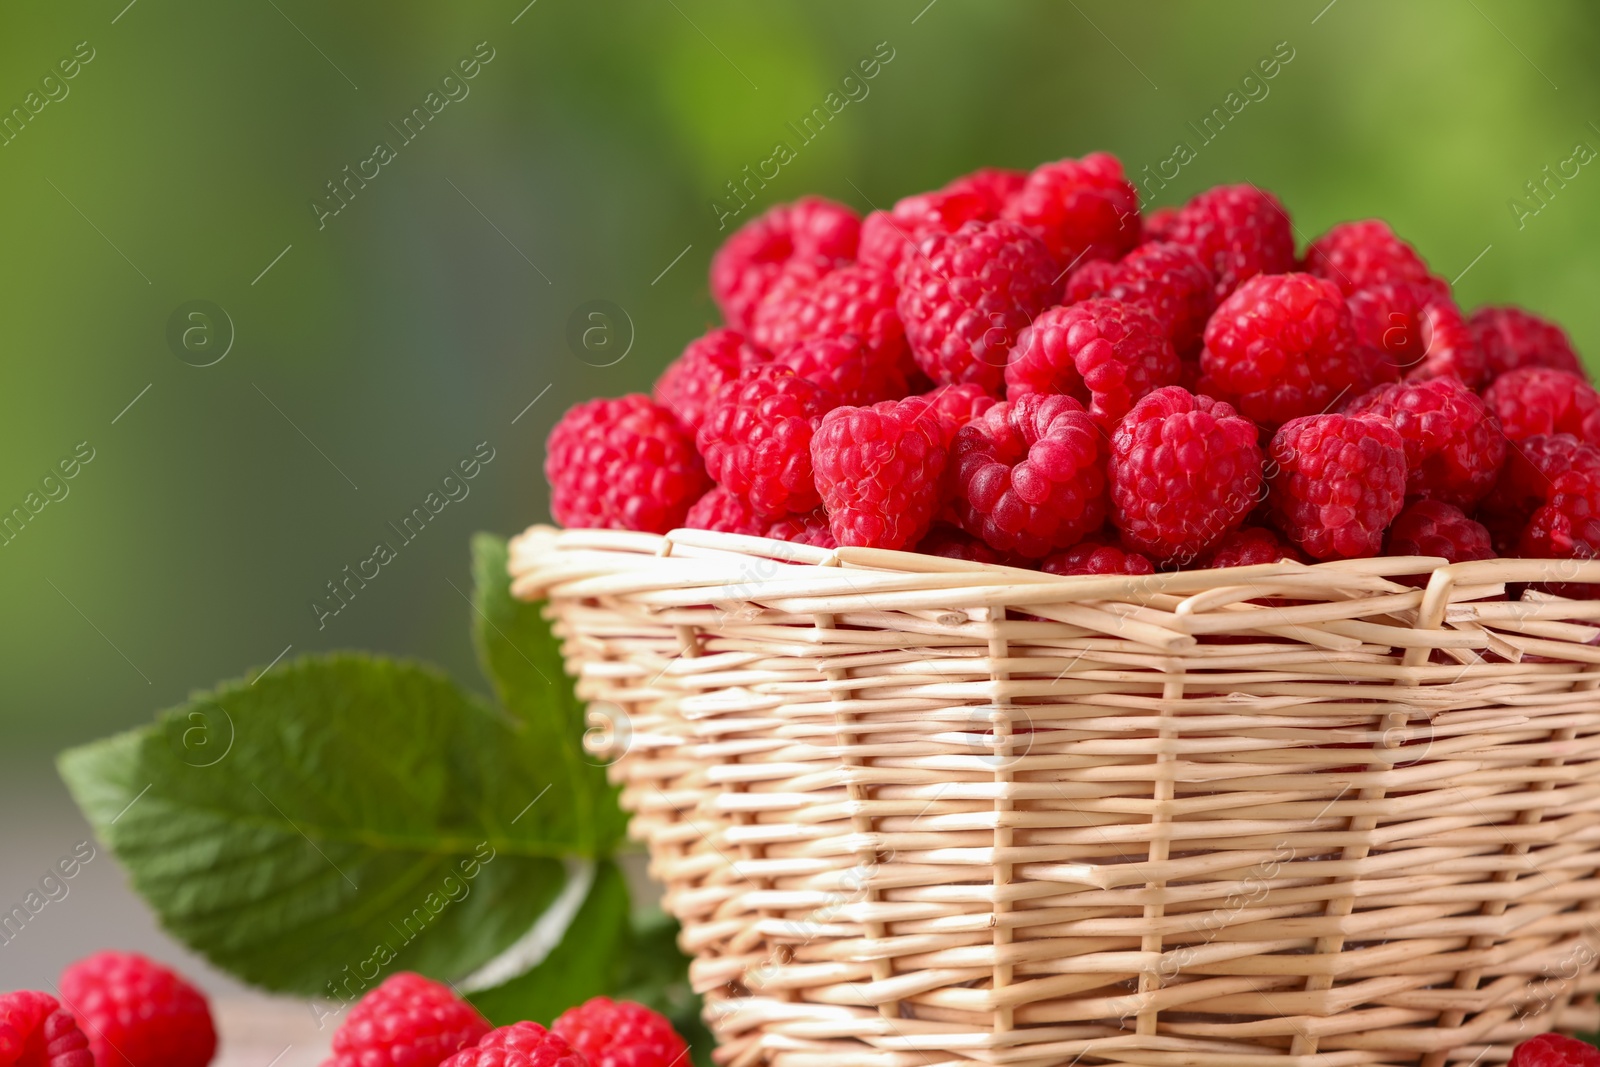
373 349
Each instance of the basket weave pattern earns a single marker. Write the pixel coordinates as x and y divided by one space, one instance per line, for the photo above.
914 811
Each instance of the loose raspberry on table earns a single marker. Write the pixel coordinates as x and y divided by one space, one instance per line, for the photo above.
850 300
1029 475
1238 231
888 237
807 238
1527 481
1434 528
1283 346
809 529
1512 337
954 543
957 405
965 296
1167 280
623 464
622 1034
721 510
1338 481
1252 545
1094 557
1420 333
406 1020
1184 471
519 1045
1102 352
1531 401
1554 1050
137 1013
756 438
1082 208
996 185
1359 255
880 471
36 1031
851 372
707 363
1454 447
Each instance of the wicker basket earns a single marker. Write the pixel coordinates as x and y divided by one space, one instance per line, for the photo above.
911 810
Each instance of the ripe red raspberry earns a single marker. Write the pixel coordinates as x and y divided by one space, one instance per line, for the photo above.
1554 1050
519 1045
1539 400
690 381
808 237
1167 280
1103 353
1251 545
36 1031
1434 528
1339 482
809 529
1158 223
1083 208
850 300
721 510
406 1020
1568 527
1093 557
1420 333
622 464
880 471
1359 255
965 296
1238 231
888 237
957 405
1029 475
1184 471
622 1034
996 185
1283 346
1454 449
756 438
1512 337
953 543
135 1012
1527 482
850 372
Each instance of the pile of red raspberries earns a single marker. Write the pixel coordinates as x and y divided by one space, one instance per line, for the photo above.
1021 368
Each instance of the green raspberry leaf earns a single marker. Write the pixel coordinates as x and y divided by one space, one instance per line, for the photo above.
522 659
335 820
